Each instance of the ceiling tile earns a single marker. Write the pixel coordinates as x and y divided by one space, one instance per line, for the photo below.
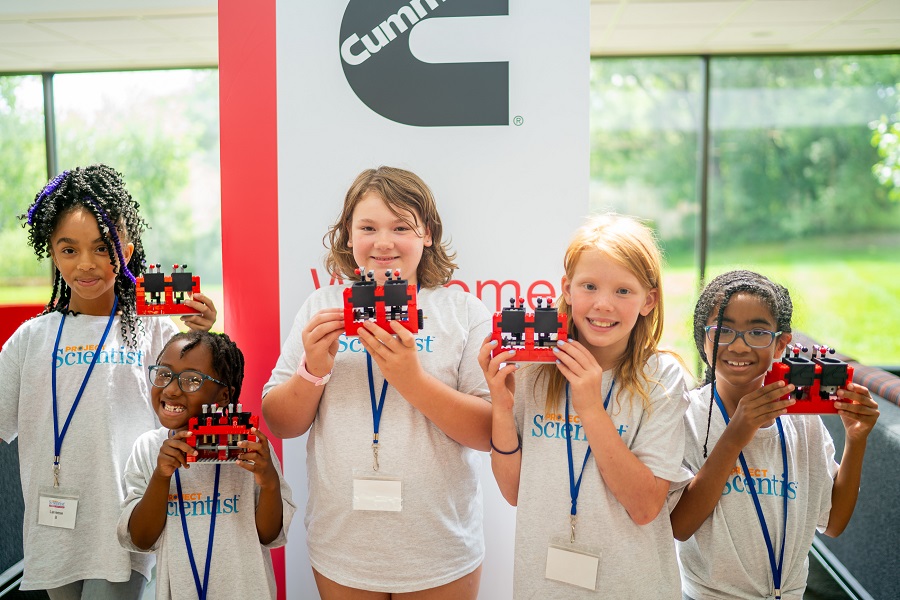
103 30
16 32
191 27
794 11
681 13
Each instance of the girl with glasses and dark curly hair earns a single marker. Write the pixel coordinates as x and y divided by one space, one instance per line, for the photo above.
763 480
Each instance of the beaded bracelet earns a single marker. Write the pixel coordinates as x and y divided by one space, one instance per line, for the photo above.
499 451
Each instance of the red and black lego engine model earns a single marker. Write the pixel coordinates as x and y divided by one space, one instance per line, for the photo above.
532 335
395 300
217 431
158 295
817 379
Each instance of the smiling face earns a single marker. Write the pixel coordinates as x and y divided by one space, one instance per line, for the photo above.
83 261
382 240
175 407
606 300
741 369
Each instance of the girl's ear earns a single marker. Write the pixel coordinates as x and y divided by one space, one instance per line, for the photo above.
781 343
650 302
127 251
567 290
426 239
224 396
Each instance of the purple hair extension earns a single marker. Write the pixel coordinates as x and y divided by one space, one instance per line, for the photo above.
115 236
49 189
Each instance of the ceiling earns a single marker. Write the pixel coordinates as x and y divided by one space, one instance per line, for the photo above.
60 35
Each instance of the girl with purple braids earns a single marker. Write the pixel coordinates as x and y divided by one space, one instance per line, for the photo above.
75 389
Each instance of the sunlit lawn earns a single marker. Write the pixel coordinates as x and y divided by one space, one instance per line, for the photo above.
846 298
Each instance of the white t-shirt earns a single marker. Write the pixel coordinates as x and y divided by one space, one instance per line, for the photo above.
727 558
239 567
437 537
113 411
636 561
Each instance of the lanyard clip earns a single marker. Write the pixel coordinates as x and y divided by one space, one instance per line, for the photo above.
375 455
56 471
572 535
777 593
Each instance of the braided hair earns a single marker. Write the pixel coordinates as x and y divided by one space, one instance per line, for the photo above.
716 296
227 358
99 190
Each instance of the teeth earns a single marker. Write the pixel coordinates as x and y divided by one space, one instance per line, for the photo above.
173 407
601 323
737 364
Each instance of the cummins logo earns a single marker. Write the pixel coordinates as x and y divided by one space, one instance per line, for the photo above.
384 74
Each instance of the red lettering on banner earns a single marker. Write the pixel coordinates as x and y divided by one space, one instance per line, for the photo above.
486 290
480 285
315 278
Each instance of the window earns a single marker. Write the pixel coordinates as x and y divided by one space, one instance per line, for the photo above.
645 121
797 188
22 278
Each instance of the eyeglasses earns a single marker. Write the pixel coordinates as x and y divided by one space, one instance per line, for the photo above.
755 338
189 381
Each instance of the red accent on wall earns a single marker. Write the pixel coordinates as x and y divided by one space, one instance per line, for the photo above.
249 165
13 315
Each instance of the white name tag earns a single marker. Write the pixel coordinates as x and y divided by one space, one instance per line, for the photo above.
574 566
381 492
57 507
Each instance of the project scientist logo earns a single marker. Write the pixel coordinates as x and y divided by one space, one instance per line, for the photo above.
384 74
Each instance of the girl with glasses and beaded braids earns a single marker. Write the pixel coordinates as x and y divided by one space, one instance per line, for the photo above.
587 448
75 386
204 541
763 481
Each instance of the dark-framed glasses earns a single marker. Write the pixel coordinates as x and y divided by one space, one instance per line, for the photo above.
189 381
755 338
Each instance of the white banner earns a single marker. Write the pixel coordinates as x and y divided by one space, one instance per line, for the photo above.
487 101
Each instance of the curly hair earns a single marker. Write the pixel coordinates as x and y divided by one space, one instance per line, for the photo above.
404 193
99 190
715 297
633 245
227 358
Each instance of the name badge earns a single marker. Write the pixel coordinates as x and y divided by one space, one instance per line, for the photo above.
57 507
377 492
573 564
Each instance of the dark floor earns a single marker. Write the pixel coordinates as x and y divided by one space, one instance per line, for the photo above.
821 585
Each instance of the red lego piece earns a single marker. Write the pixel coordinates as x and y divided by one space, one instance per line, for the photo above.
217 431
532 335
159 295
395 300
817 380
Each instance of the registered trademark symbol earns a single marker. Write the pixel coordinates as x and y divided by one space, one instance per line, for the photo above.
518 121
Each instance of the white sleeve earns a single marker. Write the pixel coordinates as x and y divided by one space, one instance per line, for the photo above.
138 471
659 443
10 375
291 351
471 377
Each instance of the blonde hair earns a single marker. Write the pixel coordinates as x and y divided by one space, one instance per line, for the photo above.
633 245
403 192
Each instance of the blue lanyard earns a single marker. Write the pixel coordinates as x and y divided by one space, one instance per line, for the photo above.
57 435
376 409
776 567
201 587
575 486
